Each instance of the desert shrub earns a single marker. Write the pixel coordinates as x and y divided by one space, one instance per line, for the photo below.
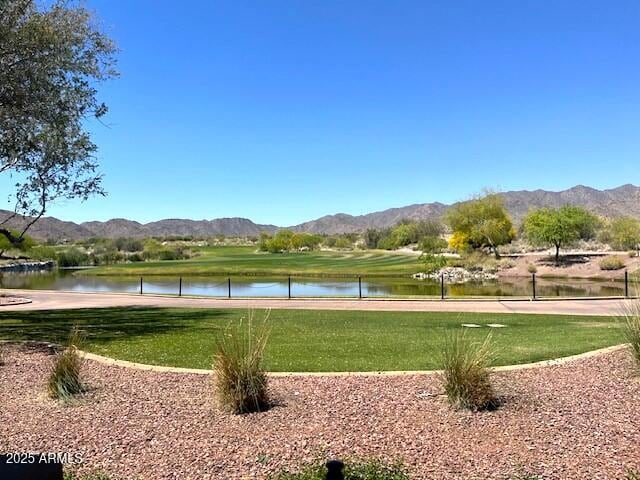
65 380
354 470
42 252
240 381
505 264
611 263
125 244
474 261
531 268
466 375
72 257
432 244
433 263
631 329
135 257
91 476
632 475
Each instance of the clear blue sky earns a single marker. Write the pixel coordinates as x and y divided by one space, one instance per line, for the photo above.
283 111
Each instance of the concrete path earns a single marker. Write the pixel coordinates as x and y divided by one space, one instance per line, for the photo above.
46 300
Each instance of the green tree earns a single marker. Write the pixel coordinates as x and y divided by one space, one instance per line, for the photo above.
305 241
480 223
51 59
559 227
624 233
280 242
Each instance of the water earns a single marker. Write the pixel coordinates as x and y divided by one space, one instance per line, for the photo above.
310 287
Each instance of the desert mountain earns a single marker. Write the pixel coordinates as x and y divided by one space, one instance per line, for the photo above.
623 200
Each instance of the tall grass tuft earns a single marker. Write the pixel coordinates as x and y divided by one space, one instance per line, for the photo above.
631 329
240 381
355 469
466 375
65 380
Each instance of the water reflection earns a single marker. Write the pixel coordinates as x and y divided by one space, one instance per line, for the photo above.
310 287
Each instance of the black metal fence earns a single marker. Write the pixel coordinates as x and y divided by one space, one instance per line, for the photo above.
533 294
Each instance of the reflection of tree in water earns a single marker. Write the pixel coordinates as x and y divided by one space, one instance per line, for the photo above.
371 287
37 280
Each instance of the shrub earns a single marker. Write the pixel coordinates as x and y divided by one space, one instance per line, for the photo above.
354 470
531 268
631 329
611 263
91 476
240 381
64 380
432 244
433 263
632 475
72 257
42 252
466 375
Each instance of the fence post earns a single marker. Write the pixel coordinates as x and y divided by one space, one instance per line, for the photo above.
289 287
533 276
140 285
334 470
180 288
229 285
442 286
626 283
359 287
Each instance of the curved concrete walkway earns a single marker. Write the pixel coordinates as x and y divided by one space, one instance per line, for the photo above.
50 300
388 373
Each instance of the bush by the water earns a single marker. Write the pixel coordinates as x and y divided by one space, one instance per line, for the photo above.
611 263
72 257
240 381
466 375
353 470
65 378
433 263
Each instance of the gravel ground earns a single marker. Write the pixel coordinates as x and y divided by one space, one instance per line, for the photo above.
576 421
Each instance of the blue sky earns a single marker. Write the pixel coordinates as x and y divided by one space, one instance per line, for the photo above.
284 111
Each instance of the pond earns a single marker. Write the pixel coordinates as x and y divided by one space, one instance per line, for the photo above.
311 287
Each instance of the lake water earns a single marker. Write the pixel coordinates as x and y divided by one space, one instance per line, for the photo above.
309 287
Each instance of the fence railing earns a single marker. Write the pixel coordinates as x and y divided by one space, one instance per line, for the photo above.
443 293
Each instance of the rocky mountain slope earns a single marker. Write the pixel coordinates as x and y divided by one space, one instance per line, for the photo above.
623 200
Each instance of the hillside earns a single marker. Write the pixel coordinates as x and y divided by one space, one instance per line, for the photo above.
623 200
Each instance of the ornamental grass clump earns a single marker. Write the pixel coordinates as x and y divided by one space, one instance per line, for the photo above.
611 263
354 469
65 379
631 329
465 371
240 381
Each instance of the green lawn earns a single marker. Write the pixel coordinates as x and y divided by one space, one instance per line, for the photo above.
305 340
246 261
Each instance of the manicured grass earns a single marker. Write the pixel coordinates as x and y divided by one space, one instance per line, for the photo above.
247 261
306 340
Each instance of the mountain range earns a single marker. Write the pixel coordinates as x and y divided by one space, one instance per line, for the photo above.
623 200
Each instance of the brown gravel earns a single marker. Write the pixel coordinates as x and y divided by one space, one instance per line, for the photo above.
576 421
